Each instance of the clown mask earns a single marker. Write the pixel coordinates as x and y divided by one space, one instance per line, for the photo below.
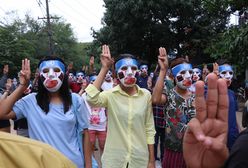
226 72
92 78
143 70
52 74
183 75
126 71
80 77
108 76
196 74
71 77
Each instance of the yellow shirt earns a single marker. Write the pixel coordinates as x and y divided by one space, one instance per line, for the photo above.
20 152
130 126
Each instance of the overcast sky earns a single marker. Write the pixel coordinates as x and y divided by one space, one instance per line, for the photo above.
81 14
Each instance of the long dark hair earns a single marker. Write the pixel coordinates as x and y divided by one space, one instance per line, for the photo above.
43 98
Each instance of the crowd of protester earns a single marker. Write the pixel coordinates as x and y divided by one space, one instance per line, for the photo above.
130 111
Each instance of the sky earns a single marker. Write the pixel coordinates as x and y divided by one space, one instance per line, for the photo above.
81 14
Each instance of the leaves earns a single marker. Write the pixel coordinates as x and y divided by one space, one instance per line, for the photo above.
21 38
141 27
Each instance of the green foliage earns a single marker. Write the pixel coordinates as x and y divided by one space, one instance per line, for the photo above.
141 27
232 46
27 38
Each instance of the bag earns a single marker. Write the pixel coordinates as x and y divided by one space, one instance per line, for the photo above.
79 132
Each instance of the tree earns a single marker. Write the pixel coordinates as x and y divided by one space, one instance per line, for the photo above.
232 43
27 38
141 27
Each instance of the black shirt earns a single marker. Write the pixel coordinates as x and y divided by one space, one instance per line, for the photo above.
239 152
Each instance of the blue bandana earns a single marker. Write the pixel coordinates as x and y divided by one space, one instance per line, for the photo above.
93 78
198 70
225 68
125 62
181 67
80 74
52 63
143 66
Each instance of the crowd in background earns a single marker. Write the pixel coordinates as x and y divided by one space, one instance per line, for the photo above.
170 88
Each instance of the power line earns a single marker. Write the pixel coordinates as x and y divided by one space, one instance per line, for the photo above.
92 13
69 14
73 9
3 9
49 31
40 3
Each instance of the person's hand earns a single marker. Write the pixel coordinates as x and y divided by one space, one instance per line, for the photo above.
25 73
70 66
8 85
162 59
205 70
149 83
6 69
106 59
216 68
92 60
204 143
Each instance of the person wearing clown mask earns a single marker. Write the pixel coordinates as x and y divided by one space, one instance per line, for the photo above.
97 122
130 126
77 85
179 106
143 76
108 82
71 77
226 73
195 77
50 112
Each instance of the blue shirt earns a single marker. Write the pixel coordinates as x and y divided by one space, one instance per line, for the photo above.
233 130
142 82
56 127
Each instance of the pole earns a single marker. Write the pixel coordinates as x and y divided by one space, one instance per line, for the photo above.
49 31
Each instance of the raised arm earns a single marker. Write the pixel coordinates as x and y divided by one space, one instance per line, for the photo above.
107 62
7 104
3 79
91 64
157 96
204 143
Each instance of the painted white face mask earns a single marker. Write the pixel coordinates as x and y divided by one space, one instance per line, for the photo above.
144 70
71 77
196 74
226 73
15 81
80 77
126 71
108 76
183 75
52 74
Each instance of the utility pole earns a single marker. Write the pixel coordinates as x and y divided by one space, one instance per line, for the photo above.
49 31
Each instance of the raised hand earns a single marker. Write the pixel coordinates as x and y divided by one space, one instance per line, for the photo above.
70 66
106 59
204 143
216 68
25 73
6 69
162 59
92 60
8 85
